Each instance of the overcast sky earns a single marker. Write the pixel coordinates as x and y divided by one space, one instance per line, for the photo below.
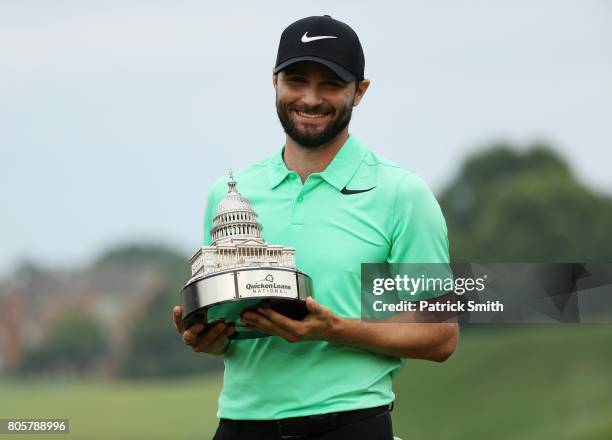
115 117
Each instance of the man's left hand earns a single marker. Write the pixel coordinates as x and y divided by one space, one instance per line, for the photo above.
318 325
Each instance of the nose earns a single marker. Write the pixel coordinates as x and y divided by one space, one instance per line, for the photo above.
311 96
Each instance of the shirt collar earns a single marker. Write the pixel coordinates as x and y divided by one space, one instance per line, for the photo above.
339 171
278 169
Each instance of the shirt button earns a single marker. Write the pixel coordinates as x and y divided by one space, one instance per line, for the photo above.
300 199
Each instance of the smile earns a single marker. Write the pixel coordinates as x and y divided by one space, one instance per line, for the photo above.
311 115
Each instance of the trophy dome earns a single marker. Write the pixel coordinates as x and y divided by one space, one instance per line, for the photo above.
234 201
235 219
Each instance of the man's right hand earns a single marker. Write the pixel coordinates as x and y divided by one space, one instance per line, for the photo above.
213 340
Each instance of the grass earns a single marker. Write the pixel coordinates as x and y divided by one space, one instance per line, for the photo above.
538 382
181 409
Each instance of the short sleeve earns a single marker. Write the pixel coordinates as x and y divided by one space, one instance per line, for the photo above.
419 232
419 229
208 219
212 201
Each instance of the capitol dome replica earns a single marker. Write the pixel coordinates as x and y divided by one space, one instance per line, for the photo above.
240 271
237 240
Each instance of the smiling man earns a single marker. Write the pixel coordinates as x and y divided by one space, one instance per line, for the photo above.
326 194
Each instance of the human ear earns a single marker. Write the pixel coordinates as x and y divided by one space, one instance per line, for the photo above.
361 89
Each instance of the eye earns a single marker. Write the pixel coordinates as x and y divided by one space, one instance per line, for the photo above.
332 84
295 79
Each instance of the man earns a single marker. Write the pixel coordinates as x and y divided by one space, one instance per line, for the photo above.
339 205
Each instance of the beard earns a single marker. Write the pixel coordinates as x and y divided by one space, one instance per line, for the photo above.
310 139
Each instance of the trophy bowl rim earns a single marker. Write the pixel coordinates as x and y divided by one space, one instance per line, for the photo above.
240 269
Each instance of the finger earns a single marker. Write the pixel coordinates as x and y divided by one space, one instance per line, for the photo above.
191 335
177 313
313 306
263 324
208 336
218 342
287 324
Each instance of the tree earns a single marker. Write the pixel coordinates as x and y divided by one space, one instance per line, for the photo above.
75 342
508 206
156 349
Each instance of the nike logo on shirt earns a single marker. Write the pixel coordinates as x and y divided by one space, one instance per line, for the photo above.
355 191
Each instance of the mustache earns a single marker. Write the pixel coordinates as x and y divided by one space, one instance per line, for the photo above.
316 109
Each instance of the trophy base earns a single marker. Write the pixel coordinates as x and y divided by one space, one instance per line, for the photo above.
224 296
231 311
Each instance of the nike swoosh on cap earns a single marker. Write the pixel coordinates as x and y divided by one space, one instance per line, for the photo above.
355 191
307 39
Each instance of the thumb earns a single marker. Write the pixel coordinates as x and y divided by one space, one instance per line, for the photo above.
313 306
177 312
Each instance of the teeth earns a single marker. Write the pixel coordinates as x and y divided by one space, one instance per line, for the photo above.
311 115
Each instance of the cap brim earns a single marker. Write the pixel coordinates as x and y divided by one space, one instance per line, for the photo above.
344 74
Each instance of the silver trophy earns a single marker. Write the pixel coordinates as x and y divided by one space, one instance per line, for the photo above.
239 271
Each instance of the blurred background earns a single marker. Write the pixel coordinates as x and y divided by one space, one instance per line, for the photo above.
117 116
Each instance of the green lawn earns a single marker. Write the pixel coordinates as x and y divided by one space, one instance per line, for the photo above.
180 409
546 382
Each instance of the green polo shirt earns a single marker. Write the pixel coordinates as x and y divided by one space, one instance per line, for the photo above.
397 221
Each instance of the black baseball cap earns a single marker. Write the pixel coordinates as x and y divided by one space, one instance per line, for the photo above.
324 40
